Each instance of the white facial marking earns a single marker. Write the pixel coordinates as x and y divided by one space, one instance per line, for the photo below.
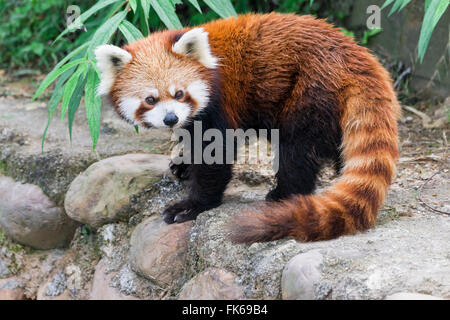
128 107
195 44
199 91
156 116
110 59
172 89
152 92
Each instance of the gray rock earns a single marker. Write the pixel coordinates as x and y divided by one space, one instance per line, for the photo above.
11 283
54 288
158 251
11 289
411 296
57 285
405 254
101 194
29 217
301 275
258 267
114 246
212 284
4 271
101 288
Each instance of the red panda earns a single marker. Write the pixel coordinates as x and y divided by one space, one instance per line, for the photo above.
329 97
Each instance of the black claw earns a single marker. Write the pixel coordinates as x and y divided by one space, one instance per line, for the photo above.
169 219
184 175
181 171
179 217
182 211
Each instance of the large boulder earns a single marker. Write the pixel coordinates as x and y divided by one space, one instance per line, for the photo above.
158 251
301 275
29 217
212 284
101 194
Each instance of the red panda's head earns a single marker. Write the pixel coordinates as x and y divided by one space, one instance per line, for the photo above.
160 81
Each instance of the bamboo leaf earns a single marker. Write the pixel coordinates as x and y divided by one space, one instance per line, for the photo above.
398 5
166 12
433 14
144 13
93 105
78 22
69 89
54 101
130 32
146 7
196 5
133 5
223 8
55 74
75 102
63 61
105 32
404 4
386 3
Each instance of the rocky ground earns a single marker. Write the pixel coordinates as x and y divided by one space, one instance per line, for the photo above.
77 224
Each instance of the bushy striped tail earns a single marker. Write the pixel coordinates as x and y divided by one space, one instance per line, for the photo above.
351 204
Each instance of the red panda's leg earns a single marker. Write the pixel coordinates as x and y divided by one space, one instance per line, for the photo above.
298 169
207 185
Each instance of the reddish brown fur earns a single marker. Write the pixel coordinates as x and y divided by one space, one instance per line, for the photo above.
367 104
141 73
265 59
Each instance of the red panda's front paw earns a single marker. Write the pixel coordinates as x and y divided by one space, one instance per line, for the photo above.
181 211
181 171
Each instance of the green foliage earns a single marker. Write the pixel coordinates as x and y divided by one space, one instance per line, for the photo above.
28 27
434 10
369 34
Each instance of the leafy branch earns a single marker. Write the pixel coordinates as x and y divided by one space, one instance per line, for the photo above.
434 10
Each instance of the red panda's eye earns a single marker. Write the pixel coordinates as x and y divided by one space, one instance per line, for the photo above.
179 94
151 100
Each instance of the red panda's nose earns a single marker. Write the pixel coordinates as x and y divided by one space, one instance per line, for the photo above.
171 119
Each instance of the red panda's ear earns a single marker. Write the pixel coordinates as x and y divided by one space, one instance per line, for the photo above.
195 44
110 60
